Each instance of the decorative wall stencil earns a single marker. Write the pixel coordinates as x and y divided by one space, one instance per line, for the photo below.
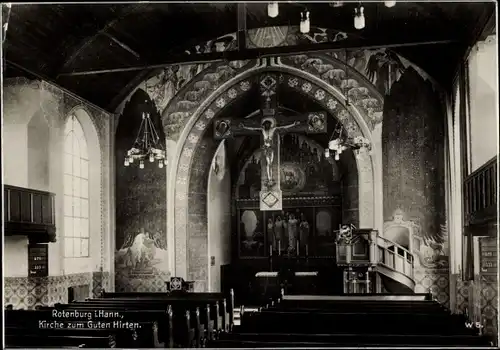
28 293
270 37
316 122
222 129
360 90
166 83
434 281
144 283
183 105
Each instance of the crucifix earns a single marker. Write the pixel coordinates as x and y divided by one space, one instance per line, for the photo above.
271 126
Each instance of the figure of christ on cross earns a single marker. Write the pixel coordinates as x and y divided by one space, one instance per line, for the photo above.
268 129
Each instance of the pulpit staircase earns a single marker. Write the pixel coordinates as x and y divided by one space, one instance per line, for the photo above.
374 264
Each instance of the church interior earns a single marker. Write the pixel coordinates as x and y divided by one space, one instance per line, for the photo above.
250 175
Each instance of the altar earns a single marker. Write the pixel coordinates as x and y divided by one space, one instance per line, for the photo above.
299 282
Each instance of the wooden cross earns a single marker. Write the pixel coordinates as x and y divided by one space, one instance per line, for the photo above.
271 125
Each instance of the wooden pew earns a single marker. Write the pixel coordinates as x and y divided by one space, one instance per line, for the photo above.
212 316
186 323
325 322
171 327
38 323
226 303
356 339
35 340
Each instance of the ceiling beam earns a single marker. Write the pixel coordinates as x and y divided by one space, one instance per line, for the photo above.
121 44
247 54
241 36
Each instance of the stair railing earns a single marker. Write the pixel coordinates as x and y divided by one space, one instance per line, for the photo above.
398 258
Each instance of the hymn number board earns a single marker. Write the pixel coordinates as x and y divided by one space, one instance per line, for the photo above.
38 262
489 256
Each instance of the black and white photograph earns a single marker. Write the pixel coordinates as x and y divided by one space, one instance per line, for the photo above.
229 174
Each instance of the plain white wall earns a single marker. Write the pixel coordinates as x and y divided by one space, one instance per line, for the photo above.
483 128
219 217
33 142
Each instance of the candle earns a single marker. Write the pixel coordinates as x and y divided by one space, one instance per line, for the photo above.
270 250
297 247
307 250
279 247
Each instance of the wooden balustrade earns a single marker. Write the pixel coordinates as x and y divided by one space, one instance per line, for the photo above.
480 194
395 257
30 213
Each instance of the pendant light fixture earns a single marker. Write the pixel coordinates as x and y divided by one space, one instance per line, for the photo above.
359 17
273 9
305 24
390 3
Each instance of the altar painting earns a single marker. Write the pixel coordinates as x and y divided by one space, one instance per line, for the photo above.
251 233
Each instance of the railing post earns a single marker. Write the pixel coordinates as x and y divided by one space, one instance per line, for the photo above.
373 247
348 253
231 314
346 281
368 281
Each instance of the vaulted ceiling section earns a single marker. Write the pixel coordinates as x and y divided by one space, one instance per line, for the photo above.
66 44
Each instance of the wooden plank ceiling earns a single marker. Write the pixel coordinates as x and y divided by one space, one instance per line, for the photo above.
49 40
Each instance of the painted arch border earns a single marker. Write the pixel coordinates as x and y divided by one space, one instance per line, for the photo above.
314 88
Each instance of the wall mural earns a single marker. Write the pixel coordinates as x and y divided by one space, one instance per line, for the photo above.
270 37
304 170
413 173
141 249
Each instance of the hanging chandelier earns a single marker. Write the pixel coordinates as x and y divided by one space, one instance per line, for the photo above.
147 145
390 3
341 143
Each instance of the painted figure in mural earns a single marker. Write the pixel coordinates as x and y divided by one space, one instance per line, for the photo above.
142 250
292 231
268 129
271 234
278 229
384 67
285 239
303 230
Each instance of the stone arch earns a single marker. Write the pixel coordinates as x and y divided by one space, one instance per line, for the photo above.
187 142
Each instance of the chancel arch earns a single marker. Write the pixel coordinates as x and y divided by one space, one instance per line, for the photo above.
193 148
